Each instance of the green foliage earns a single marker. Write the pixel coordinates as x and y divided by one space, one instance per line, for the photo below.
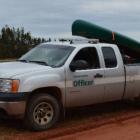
16 42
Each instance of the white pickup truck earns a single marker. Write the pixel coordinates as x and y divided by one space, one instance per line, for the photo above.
55 76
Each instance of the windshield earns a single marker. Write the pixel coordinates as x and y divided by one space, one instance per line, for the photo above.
46 54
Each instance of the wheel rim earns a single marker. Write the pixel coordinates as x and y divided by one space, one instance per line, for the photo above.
43 113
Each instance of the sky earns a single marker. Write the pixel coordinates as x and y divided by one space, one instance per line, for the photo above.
53 18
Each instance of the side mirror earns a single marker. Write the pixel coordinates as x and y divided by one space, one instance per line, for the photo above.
79 65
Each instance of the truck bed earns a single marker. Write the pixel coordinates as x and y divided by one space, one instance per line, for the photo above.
132 88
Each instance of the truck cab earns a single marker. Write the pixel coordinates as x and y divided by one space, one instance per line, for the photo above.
103 78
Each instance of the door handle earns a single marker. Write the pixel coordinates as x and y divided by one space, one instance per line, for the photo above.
98 75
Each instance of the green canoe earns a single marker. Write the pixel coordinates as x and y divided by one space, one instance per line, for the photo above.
89 30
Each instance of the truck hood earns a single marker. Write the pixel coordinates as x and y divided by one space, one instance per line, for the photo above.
10 69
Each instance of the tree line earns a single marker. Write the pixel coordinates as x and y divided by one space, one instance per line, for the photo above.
14 42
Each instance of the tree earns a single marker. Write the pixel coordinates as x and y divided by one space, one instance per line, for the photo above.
15 41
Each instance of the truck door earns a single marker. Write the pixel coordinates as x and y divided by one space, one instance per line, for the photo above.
114 74
85 86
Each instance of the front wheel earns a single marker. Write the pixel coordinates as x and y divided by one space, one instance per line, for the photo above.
42 112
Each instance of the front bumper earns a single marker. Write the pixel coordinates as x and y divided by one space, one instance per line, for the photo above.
13 108
13 104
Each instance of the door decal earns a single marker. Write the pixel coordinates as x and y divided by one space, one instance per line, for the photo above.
81 83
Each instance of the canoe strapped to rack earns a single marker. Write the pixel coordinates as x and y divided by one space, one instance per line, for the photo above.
89 30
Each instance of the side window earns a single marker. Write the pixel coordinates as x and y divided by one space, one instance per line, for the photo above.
109 57
89 55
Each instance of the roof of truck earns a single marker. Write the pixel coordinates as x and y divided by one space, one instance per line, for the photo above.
79 45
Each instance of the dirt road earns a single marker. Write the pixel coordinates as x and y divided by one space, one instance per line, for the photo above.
123 130
112 121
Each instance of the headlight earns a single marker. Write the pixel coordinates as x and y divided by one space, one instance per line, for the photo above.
7 85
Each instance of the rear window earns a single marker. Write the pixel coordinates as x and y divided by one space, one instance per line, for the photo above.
109 57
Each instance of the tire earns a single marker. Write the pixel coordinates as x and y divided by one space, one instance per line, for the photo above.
42 112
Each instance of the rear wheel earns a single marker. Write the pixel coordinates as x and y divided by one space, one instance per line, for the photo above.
42 112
